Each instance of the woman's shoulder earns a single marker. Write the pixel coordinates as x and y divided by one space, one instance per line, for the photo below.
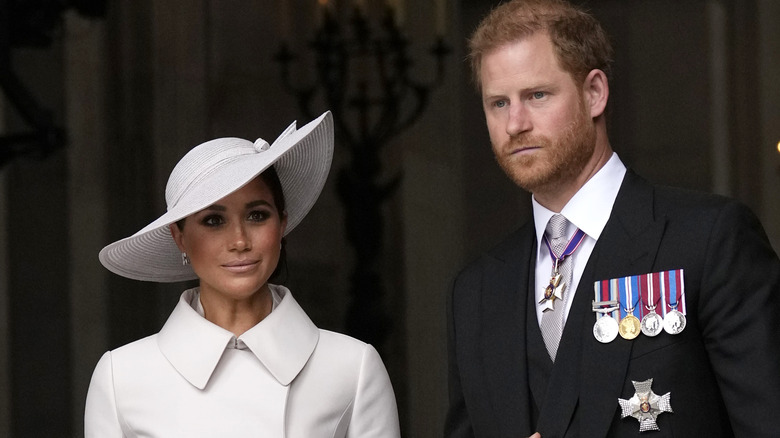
136 347
132 355
344 350
340 340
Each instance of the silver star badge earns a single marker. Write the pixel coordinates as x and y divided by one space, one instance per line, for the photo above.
553 291
645 405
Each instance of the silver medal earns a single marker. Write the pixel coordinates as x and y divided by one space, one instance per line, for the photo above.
652 323
674 322
605 330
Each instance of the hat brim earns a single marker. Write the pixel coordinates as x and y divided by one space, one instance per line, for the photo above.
302 159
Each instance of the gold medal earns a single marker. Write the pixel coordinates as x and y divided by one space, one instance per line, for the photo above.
629 327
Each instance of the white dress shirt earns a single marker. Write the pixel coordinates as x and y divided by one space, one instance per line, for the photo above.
281 378
589 210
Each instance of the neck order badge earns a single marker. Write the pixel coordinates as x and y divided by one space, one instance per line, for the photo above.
556 288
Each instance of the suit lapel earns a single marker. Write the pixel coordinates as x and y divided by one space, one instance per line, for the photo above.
628 246
503 323
586 370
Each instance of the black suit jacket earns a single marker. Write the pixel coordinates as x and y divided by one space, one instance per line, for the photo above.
723 370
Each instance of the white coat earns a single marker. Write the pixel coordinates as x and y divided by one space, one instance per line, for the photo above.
293 380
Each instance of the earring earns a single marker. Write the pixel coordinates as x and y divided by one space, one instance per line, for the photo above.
184 259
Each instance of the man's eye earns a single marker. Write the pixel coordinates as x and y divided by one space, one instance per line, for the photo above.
539 94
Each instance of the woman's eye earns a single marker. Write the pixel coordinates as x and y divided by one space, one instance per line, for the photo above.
212 220
259 216
500 103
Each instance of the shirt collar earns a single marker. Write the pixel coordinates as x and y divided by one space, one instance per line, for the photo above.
283 341
590 207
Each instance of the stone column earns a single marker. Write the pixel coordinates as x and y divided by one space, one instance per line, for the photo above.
769 42
5 351
85 85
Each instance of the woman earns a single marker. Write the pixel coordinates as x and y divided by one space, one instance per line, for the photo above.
238 356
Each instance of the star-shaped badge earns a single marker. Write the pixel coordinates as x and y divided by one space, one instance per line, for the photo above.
645 405
553 291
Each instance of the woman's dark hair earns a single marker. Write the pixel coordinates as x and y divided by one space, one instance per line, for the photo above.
271 179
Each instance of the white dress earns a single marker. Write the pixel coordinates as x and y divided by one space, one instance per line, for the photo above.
282 378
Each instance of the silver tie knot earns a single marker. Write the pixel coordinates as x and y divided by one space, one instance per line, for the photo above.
556 232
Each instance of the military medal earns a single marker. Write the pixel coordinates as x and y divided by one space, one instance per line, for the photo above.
605 305
674 320
557 286
652 324
662 298
605 330
645 405
629 327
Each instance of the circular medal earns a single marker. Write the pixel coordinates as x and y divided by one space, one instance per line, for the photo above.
605 330
629 327
674 322
652 324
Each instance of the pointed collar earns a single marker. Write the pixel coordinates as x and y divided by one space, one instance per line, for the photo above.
283 341
590 207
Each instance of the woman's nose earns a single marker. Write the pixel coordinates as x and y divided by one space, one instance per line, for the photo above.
240 238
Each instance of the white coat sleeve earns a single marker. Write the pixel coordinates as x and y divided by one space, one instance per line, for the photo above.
100 415
375 413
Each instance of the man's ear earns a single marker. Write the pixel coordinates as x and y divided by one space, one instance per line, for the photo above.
595 91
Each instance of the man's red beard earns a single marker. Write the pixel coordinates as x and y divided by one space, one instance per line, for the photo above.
561 160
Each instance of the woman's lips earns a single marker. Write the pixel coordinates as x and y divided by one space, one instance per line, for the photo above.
239 266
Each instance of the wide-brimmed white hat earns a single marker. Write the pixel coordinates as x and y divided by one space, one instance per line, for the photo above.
213 170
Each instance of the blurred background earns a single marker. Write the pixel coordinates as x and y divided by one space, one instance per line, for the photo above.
101 98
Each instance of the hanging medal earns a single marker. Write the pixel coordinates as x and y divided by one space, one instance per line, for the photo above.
605 305
629 326
674 320
557 286
553 291
652 322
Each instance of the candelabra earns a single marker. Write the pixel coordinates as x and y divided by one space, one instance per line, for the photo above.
33 24
363 75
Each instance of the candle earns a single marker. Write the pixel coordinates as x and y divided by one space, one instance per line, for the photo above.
441 17
397 7
284 10
360 7
325 7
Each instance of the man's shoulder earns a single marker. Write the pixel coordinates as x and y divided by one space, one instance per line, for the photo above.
694 211
671 200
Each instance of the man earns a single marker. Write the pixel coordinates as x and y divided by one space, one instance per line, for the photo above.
534 323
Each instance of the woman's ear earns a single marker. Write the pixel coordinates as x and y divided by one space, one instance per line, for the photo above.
596 92
176 233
